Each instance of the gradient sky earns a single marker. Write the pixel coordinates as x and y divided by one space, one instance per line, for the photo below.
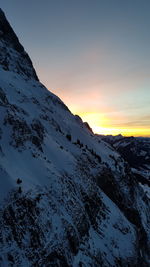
94 54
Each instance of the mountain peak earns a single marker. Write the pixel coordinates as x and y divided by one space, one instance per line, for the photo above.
67 197
13 56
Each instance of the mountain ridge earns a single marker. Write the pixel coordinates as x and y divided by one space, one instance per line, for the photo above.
11 48
68 198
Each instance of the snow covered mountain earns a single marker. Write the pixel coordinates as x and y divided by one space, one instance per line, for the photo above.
135 151
67 198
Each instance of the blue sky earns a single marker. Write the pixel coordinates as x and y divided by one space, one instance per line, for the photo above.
94 54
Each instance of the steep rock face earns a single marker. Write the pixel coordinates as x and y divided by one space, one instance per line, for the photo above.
67 197
13 56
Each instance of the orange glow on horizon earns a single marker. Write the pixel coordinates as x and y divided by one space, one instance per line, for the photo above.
142 132
102 125
106 122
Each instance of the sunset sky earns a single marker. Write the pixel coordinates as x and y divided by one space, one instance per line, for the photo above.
93 54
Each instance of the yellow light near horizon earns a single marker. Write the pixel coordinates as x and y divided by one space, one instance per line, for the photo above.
124 131
102 125
95 119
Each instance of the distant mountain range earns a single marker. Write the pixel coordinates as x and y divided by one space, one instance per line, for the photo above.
67 197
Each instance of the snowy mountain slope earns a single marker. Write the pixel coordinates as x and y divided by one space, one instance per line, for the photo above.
67 197
135 151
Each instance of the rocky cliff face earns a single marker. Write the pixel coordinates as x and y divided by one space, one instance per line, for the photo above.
67 197
12 54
